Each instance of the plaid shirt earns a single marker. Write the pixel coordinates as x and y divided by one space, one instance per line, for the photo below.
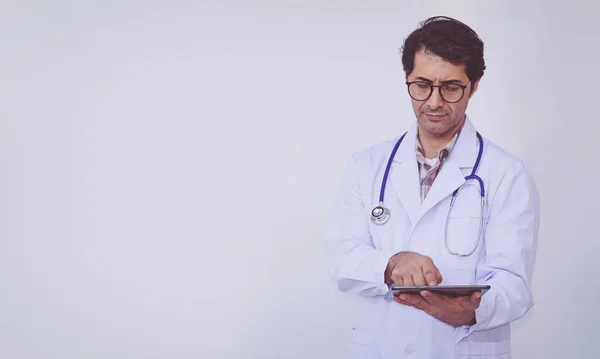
429 168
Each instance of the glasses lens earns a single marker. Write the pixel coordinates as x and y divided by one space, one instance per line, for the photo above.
419 90
452 93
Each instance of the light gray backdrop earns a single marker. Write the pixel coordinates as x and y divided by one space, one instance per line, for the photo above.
167 167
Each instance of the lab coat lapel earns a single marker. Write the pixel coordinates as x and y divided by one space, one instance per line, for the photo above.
404 176
451 177
447 181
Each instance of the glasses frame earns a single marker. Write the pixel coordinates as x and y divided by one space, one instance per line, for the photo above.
432 86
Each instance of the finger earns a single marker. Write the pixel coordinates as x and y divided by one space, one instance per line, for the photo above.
431 273
475 299
418 302
438 276
430 277
419 278
398 277
434 299
402 301
398 281
408 280
410 299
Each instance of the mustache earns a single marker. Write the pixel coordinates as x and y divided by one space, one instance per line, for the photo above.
434 112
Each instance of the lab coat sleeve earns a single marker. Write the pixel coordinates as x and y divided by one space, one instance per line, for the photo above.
511 236
354 263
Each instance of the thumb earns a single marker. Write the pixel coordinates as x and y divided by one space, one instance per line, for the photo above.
476 298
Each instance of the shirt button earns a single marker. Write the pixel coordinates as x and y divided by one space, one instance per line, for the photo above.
409 349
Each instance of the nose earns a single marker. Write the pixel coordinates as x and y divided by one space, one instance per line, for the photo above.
435 100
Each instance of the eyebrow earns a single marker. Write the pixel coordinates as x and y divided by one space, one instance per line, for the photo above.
453 81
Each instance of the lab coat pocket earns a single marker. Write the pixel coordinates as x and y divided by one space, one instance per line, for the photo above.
463 231
469 348
494 343
360 345
463 235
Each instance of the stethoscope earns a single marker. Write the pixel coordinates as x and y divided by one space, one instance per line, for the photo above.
381 214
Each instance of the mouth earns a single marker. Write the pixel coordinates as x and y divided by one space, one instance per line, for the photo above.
435 116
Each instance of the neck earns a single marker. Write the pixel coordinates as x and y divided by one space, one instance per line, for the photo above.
432 144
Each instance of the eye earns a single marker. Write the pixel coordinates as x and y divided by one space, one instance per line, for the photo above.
422 85
452 88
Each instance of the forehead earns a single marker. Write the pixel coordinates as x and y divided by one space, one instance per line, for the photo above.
436 69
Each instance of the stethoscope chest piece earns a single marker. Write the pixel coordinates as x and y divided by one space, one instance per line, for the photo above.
380 215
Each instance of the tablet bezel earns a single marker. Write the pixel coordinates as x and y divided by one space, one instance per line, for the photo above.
446 290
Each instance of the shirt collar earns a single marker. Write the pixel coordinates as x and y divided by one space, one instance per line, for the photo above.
444 152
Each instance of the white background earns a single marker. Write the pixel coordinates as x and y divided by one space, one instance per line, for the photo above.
167 168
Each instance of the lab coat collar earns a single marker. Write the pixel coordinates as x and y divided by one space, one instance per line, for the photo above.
464 152
404 174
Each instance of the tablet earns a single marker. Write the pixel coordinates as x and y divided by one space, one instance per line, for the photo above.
447 290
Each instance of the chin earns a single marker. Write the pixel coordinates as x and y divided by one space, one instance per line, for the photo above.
434 127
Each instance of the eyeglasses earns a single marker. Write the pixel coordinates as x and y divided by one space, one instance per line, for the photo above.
421 91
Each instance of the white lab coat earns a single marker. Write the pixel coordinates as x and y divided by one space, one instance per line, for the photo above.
358 250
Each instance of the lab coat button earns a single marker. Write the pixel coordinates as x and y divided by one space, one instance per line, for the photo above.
409 350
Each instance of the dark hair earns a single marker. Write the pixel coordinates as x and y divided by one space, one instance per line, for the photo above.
449 39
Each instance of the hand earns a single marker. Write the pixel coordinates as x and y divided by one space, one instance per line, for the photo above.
410 269
452 311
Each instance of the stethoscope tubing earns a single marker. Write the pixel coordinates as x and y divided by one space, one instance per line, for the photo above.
380 214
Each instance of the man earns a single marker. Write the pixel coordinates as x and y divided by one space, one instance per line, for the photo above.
422 242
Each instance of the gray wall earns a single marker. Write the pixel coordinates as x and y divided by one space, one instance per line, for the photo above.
167 167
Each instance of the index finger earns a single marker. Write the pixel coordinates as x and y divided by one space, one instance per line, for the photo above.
431 273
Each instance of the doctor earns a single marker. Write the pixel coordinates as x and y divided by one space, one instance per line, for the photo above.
393 222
